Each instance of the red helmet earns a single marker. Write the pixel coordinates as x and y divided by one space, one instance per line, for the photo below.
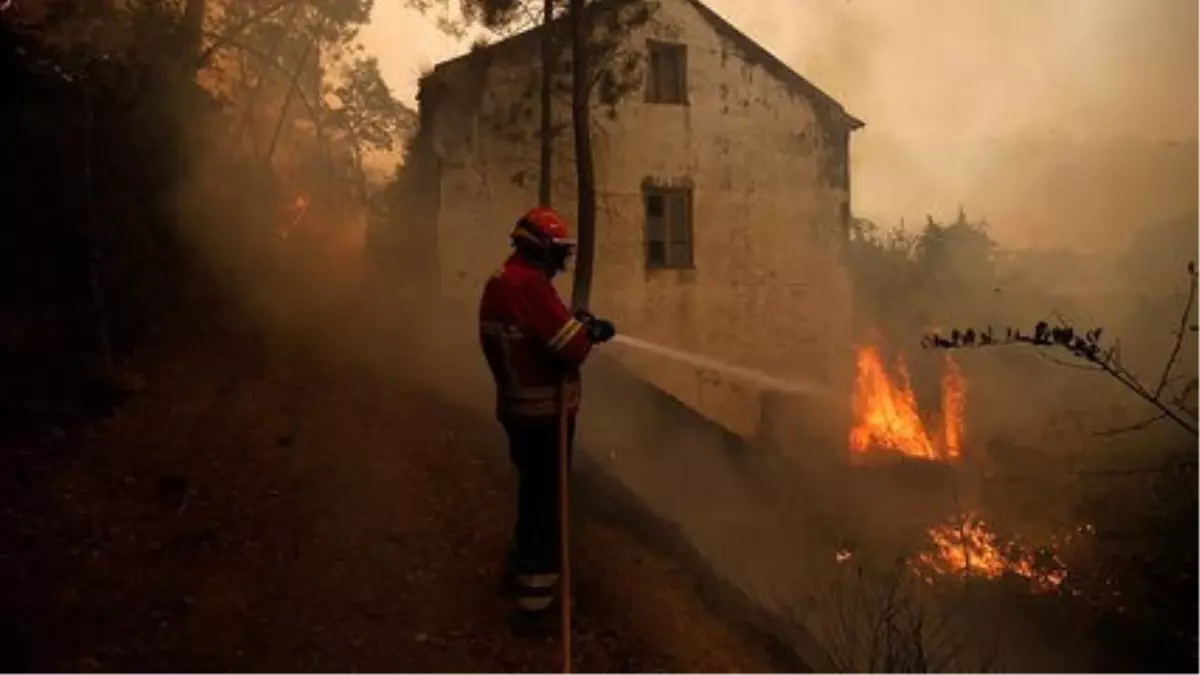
542 233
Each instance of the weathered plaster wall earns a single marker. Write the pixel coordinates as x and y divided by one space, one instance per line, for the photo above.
484 132
766 291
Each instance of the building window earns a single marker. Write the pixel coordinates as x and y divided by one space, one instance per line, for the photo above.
668 228
666 73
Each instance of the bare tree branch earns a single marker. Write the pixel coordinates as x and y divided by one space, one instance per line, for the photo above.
1179 333
1116 431
287 100
226 39
1086 347
310 107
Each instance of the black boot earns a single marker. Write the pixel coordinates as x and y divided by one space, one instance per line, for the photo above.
535 625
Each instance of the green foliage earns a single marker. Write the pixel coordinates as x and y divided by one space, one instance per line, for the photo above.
504 16
276 43
614 71
1174 403
500 17
906 282
89 262
113 152
956 255
250 23
363 107
1133 572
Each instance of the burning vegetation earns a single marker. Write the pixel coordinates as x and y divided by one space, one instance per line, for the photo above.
291 216
968 548
888 419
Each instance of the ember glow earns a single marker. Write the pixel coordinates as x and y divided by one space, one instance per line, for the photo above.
291 217
886 416
954 401
968 548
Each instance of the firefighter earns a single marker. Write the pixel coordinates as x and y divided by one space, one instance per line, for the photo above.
534 347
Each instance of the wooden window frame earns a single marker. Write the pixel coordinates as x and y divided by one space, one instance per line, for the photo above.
670 236
656 51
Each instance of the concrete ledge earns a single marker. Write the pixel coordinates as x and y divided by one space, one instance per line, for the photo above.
601 497
729 513
623 407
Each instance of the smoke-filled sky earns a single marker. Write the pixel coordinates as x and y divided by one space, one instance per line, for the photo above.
1051 118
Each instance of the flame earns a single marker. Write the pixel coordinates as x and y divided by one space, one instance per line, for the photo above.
886 414
954 403
968 548
291 217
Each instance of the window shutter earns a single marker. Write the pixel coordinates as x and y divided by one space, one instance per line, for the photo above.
653 75
656 254
655 228
680 253
677 216
656 234
668 227
655 207
669 75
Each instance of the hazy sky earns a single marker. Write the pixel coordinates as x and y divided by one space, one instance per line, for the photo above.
941 82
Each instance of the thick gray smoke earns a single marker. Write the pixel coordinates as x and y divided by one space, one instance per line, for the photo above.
1055 120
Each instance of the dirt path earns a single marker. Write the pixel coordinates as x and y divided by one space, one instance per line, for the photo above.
253 514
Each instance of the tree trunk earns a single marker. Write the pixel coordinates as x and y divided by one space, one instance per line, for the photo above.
193 26
547 140
193 23
287 101
584 171
250 118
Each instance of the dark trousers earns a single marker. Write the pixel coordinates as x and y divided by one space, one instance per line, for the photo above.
533 449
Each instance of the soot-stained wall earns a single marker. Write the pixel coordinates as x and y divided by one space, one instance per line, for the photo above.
768 166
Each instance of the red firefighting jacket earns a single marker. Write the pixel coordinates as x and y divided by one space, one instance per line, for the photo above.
532 343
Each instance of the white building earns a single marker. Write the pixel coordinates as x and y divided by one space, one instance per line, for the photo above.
723 189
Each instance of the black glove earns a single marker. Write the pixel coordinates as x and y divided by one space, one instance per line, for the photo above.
600 330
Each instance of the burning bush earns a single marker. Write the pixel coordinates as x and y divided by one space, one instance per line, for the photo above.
887 418
967 547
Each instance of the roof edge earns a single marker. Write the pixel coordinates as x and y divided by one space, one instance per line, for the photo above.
786 72
719 23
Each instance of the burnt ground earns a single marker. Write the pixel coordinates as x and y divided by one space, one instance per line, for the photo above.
257 506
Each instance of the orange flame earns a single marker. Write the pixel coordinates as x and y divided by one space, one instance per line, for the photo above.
886 416
954 404
291 217
968 548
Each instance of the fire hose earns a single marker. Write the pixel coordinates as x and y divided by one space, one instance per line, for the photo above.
759 378
564 524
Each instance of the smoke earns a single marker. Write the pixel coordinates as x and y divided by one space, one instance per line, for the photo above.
1053 120
1057 121
1065 124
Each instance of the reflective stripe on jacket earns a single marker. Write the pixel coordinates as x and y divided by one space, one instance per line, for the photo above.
535 592
531 341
